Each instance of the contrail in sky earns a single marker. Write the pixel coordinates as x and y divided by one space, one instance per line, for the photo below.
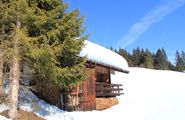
155 15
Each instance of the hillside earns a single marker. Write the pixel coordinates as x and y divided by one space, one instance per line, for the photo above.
149 95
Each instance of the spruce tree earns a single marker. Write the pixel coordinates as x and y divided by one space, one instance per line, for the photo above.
125 55
166 62
179 62
2 34
1 71
135 59
16 43
1 65
183 58
160 60
148 59
42 31
60 41
142 59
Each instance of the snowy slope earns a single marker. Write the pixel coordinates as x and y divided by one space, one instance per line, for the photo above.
153 95
3 118
2 108
149 95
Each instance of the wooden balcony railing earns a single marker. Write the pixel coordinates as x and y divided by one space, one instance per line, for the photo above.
108 90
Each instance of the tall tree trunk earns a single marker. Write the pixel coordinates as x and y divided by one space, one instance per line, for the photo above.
14 78
1 71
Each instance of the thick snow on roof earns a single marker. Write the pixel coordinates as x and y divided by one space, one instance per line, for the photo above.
99 54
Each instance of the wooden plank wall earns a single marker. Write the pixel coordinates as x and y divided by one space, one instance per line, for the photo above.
50 93
87 95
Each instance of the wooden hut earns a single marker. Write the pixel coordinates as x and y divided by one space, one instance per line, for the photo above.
101 63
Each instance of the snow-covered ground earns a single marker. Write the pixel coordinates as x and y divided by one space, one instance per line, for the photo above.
149 95
2 108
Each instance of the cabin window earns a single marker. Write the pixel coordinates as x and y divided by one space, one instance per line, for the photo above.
102 77
102 74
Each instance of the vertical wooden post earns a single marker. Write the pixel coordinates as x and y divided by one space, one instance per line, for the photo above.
102 87
109 75
118 90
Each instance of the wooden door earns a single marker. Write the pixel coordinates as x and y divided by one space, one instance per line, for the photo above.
88 92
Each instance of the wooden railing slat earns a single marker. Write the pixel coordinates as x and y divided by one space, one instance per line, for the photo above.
108 90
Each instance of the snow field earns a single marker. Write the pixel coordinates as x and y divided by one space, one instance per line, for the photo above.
149 95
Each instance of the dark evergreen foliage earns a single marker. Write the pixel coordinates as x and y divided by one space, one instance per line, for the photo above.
125 54
180 62
48 36
160 60
146 59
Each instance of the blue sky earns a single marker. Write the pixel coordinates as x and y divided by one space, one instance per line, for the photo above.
135 23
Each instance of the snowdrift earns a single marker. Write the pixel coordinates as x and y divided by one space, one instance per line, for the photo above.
149 95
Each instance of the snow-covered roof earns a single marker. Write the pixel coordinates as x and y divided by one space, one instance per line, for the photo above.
102 55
